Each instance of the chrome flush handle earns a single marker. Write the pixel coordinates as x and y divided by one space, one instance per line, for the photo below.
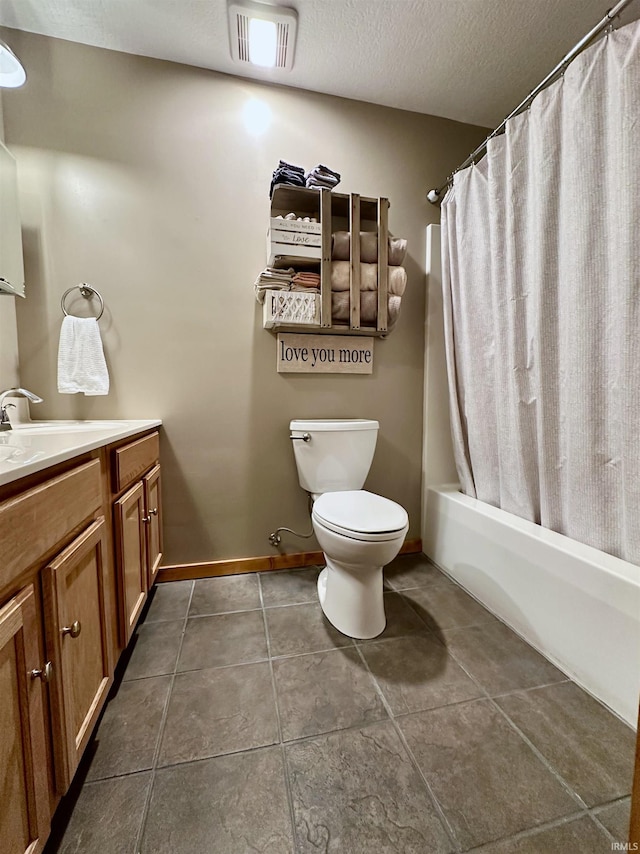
306 437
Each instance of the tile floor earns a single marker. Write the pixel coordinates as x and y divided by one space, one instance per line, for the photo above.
242 721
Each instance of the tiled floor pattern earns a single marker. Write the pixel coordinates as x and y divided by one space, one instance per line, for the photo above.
243 722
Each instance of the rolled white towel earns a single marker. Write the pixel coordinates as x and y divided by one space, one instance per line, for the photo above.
341 248
341 304
340 272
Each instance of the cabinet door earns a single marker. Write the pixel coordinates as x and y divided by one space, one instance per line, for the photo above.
24 815
78 642
131 558
153 521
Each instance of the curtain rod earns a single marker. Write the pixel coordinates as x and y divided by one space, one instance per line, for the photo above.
434 196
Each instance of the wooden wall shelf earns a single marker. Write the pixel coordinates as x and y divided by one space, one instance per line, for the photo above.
337 212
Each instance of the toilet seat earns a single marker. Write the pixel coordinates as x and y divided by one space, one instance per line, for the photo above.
360 515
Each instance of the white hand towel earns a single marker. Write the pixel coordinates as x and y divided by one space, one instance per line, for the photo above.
81 363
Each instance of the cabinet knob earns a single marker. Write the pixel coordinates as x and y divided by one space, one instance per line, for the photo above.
45 673
153 512
73 630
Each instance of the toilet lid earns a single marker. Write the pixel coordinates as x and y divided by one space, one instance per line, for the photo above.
359 512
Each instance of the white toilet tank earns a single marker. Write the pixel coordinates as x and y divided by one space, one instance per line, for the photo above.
337 455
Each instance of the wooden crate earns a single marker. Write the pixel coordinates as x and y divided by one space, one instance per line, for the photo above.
335 211
288 248
296 226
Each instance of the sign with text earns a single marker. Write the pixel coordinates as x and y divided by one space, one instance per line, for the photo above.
324 354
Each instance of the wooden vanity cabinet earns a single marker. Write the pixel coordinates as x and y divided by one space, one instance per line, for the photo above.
73 582
53 541
24 805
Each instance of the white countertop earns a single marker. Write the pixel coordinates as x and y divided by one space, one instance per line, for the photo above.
32 447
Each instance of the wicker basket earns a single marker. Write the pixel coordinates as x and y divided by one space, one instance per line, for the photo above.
293 308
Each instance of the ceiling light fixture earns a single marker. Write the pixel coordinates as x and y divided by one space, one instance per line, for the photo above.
261 34
12 74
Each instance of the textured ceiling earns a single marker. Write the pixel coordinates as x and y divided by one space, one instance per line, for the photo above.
470 60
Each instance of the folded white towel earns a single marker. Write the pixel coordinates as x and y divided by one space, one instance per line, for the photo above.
81 363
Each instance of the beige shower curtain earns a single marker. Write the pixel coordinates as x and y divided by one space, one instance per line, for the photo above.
541 279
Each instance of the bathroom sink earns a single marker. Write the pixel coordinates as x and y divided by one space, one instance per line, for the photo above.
33 427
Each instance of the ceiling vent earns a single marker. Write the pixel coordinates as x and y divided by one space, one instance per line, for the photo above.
261 34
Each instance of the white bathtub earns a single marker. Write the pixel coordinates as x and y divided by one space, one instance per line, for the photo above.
578 606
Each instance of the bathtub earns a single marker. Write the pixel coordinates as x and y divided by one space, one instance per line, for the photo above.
576 605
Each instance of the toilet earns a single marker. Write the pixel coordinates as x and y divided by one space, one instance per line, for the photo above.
358 531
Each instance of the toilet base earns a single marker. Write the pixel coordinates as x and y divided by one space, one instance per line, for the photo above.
351 598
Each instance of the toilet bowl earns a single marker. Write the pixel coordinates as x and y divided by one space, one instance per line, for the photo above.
359 533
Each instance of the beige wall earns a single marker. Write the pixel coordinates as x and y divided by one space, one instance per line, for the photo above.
139 177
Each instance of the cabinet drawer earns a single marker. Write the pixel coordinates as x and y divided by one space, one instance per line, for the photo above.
132 460
33 523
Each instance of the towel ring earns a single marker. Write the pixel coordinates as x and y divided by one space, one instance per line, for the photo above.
87 292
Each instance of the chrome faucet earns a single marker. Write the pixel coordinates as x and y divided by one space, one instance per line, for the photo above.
5 424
